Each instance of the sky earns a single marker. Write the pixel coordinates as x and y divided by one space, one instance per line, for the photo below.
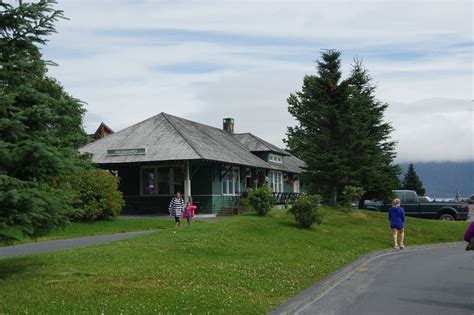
206 60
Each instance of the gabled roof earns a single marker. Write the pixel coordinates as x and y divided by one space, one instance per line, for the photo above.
102 131
256 144
168 138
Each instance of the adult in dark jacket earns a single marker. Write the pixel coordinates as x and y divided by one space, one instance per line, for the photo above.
396 215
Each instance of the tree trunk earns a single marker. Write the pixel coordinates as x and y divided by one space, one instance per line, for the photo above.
333 201
361 203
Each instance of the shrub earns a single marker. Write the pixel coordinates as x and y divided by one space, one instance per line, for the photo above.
307 211
97 195
351 194
261 200
244 204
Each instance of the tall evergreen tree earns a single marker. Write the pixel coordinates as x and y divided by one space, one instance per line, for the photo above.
341 134
320 138
374 152
40 125
411 181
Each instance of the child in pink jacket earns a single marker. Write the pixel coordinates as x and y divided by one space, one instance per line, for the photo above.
189 212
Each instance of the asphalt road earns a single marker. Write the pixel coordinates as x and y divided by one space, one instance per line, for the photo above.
436 281
49 246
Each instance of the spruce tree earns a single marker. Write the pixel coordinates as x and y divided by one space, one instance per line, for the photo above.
374 152
340 133
411 181
320 139
40 126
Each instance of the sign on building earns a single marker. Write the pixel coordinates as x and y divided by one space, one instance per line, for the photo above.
137 151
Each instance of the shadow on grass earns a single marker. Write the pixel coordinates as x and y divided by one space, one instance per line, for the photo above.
297 225
18 266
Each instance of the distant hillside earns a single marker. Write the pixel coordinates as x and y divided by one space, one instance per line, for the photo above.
441 179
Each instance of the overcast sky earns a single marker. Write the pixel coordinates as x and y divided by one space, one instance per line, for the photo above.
205 60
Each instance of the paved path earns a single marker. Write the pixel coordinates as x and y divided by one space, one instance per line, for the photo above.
435 281
49 246
199 217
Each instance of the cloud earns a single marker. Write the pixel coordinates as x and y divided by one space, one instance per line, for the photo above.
206 60
387 21
433 130
257 102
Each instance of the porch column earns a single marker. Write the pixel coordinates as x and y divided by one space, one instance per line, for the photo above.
187 182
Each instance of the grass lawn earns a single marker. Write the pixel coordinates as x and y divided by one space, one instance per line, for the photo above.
119 225
245 265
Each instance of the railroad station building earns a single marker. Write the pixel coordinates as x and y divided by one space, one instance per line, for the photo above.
212 167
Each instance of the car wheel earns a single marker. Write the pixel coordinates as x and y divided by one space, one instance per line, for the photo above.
447 217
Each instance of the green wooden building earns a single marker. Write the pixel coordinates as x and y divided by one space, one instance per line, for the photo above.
210 166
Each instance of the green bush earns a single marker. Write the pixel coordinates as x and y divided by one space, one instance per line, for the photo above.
351 194
97 195
261 200
244 204
306 210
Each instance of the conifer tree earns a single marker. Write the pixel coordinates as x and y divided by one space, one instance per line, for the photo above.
40 126
373 150
411 181
340 133
320 137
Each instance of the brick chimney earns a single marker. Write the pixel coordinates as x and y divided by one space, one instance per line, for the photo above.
228 125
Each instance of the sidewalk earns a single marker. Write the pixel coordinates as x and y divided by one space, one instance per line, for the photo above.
200 217
49 246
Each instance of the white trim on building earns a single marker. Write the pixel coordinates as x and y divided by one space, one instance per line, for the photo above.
231 182
276 181
275 158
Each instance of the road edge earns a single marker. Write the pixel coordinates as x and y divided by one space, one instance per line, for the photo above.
302 299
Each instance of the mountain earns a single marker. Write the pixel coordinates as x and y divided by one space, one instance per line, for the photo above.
443 179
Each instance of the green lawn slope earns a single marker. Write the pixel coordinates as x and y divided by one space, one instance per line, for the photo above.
244 265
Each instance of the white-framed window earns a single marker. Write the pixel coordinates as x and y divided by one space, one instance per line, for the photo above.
276 181
296 186
231 181
160 180
275 158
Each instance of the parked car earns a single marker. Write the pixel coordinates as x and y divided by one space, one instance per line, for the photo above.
431 210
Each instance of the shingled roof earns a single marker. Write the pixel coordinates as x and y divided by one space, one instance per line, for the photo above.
256 144
290 164
168 138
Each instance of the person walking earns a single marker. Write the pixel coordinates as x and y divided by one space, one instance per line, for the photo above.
396 215
469 236
176 208
189 212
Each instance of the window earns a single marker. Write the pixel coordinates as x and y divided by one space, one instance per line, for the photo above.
231 181
296 186
178 179
148 183
161 180
275 158
276 181
410 197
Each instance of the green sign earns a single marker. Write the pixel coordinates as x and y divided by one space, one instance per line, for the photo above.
138 151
